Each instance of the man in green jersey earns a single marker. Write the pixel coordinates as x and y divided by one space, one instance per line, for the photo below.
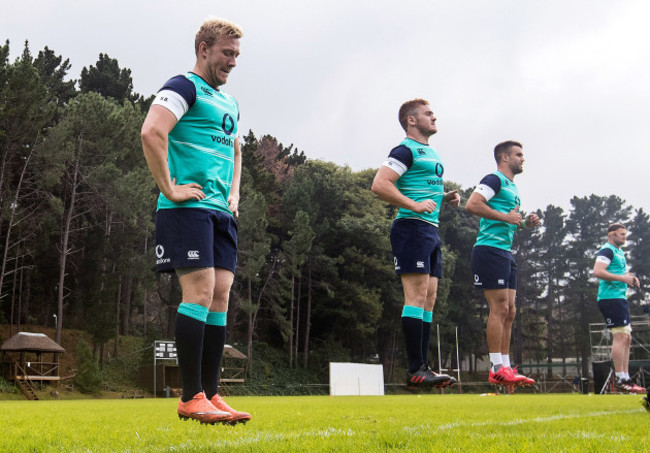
411 179
610 269
496 201
189 138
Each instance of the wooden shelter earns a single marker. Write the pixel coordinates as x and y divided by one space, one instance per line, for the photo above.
25 363
232 367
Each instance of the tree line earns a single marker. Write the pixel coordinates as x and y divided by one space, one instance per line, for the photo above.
315 277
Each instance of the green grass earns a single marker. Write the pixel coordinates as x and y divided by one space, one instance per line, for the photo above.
409 423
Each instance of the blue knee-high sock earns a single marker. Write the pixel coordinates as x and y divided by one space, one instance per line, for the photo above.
190 325
412 327
214 340
427 319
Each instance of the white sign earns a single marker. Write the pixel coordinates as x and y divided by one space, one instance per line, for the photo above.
356 379
165 350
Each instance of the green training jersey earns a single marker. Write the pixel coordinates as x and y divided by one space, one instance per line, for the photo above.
502 196
202 143
616 264
421 170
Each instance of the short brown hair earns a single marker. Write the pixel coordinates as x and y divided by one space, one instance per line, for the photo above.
214 28
614 227
408 109
504 148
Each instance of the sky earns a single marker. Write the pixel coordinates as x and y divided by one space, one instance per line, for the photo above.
570 79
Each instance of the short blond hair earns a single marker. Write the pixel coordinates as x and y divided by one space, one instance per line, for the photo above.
214 28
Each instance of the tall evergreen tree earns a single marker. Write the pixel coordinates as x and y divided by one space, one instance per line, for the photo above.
467 306
639 257
527 328
79 145
553 268
25 114
108 79
53 71
254 248
296 251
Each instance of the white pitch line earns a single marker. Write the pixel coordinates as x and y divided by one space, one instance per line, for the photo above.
327 432
456 425
421 429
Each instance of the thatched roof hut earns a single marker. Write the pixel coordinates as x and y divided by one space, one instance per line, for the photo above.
232 353
23 362
31 342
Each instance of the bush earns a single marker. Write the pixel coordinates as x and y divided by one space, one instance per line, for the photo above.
7 387
88 378
272 376
121 373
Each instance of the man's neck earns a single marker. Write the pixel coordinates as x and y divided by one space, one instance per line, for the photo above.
614 244
199 72
505 170
418 137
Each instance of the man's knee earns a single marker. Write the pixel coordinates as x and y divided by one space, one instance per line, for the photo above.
222 283
430 301
499 304
499 310
510 315
199 293
221 295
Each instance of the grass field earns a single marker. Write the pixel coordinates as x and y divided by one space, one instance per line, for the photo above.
409 423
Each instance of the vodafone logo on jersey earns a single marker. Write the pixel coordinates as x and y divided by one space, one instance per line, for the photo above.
223 140
228 124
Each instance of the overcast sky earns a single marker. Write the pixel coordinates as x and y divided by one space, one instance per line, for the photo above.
569 79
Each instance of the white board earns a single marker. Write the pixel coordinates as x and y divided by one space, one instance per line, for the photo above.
356 379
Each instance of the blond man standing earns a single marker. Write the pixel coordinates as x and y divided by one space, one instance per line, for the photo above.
189 138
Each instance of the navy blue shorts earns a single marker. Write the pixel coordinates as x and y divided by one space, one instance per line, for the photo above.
493 268
416 247
615 311
194 237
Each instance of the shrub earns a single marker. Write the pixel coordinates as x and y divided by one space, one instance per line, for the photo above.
7 387
88 378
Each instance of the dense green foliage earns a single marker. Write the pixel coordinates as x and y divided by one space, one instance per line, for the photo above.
315 280
7 387
572 423
88 379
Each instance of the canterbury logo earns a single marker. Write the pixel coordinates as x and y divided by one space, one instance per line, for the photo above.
193 254
207 91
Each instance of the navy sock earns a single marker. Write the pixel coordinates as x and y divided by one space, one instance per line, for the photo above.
214 340
189 346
